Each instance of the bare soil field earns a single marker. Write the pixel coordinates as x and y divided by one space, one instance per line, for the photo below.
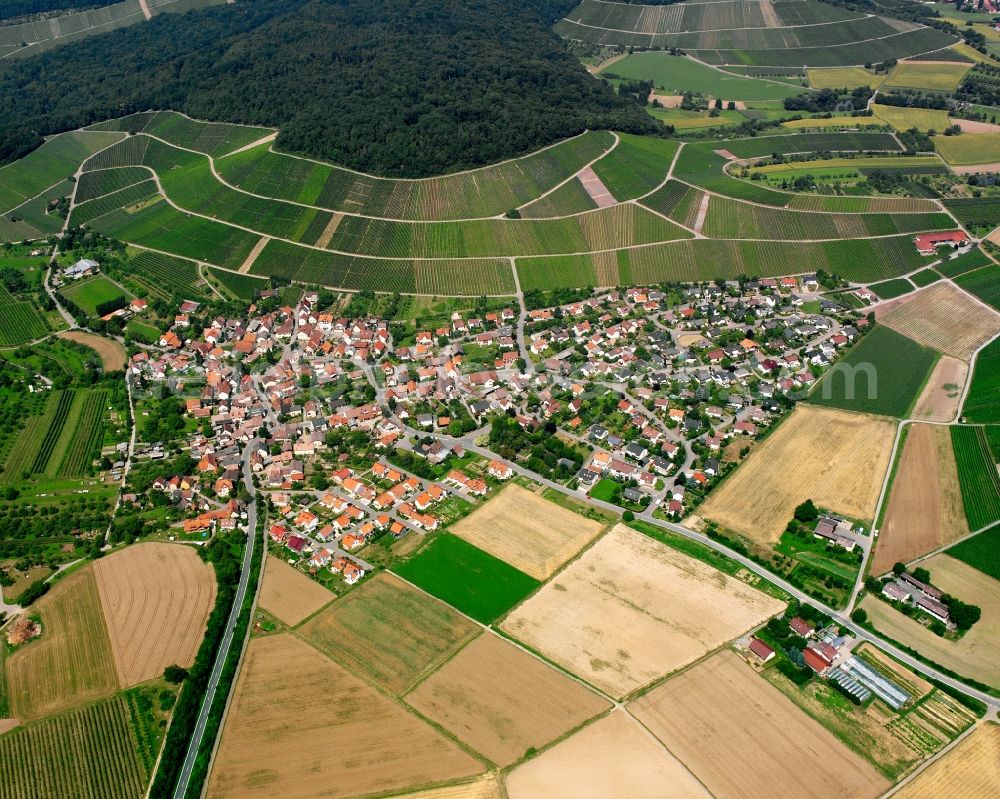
289 595
975 126
925 508
940 397
390 631
742 737
300 727
969 771
156 600
112 353
835 458
528 532
977 653
614 758
500 700
945 318
631 610
72 663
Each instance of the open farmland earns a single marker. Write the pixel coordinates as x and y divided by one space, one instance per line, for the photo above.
981 552
940 398
740 736
884 374
111 351
636 166
475 582
983 283
969 148
389 631
165 276
977 653
836 459
925 504
631 609
977 474
969 771
89 753
613 757
924 119
945 319
523 705
527 531
73 662
981 402
20 320
485 787
156 600
935 76
293 708
288 595
843 78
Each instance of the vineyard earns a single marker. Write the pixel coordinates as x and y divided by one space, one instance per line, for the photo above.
245 287
166 276
977 475
981 402
636 166
212 138
85 213
86 435
964 263
20 320
810 143
984 283
90 753
106 181
570 198
981 552
57 415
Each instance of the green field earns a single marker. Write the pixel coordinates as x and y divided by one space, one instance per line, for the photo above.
969 148
675 74
636 166
165 276
966 262
976 211
107 181
212 138
984 283
96 751
91 292
924 119
981 403
570 198
245 287
843 78
934 77
889 371
925 278
892 288
977 475
467 578
981 552
845 141
696 120
20 320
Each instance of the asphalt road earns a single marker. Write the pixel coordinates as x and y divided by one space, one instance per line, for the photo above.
227 639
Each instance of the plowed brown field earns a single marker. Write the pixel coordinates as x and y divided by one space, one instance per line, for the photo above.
939 400
288 594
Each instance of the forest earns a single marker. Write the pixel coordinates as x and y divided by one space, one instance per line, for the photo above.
409 88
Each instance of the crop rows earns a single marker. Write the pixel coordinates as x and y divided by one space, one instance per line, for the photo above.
212 138
20 322
636 166
869 205
89 753
105 181
973 259
56 414
810 143
87 435
123 198
981 402
984 283
570 198
243 286
483 192
981 552
165 275
128 152
977 475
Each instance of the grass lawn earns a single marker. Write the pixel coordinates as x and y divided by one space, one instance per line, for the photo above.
969 148
882 374
981 403
936 76
474 582
93 291
843 78
981 552
675 74
606 490
921 118
142 331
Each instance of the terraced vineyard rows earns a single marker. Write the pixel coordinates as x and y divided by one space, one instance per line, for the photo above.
243 286
570 198
91 753
808 143
127 197
977 475
636 166
96 184
165 275
212 138
20 320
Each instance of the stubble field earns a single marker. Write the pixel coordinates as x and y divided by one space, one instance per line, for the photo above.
486 787
946 319
613 757
300 726
72 663
741 737
833 457
969 771
501 701
631 610
977 653
389 631
925 508
940 397
527 531
289 595
156 600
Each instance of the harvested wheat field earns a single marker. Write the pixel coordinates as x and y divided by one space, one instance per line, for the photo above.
72 663
499 700
939 400
156 600
742 737
631 610
969 771
925 508
112 352
390 631
836 458
528 532
977 653
945 318
300 727
614 758
485 787
288 595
